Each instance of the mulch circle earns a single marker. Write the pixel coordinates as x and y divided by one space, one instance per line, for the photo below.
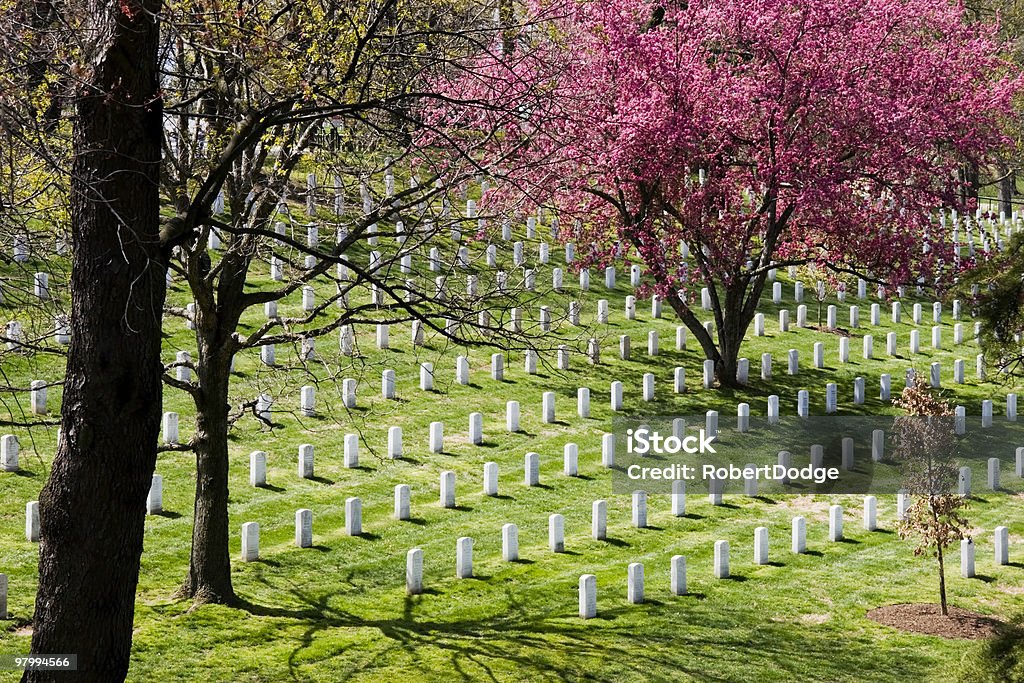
927 619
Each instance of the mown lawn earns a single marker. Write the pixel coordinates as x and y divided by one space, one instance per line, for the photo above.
338 611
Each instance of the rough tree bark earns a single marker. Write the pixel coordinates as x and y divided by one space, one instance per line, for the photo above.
92 509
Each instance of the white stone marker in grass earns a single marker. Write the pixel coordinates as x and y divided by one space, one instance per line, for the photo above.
599 520
993 474
678 427
817 455
3 597
1019 468
986 413
258 468
784 321
854 316
630 308
877 445
394 442
858 391
801 315
37 397
721 566
711 424
351 451
844 349
512 416
708 378
793 366
531 469
680 338
830 318
476 428
679 498
819 355
897 312
639 509
414 572
609 277
402 502
183 373
530 362
652 343
936 337
958 334
903 501
583 402
348 392
967 558
677 575
593 351
447 497
490 479
387 384
785 459
831 398
715 487
556 533
758 327
436 437
964 482
353 517
876 315
462 370
624 347
1011 407
616 396
773 409
869 347
9 453
803 403
608 450
761 545
250 542
155 497
307 401
635 583
835 523
570 460
743 417
497 367
750 482
870 513
304 528
847 454
766 366
1002 545
799 540
510 543
588 596
464 558
548 407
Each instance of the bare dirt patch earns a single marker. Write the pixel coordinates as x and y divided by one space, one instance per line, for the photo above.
927 619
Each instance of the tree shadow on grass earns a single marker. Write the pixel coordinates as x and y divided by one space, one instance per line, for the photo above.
541 644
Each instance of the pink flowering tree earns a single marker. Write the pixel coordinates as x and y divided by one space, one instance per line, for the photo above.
760 133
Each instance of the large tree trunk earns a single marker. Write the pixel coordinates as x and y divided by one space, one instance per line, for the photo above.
942 583
209 574
1006 184
92 509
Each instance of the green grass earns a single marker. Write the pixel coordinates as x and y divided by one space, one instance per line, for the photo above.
339 611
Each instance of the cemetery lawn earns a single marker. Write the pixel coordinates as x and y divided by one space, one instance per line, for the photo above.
339 611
